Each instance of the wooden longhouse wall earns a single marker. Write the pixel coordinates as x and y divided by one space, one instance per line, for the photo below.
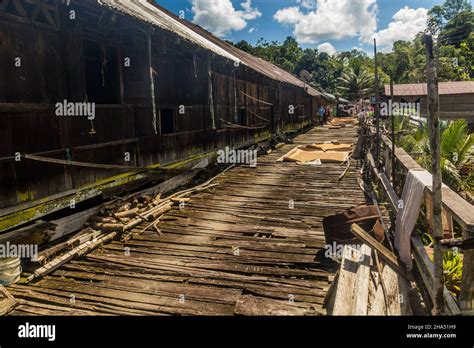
83 60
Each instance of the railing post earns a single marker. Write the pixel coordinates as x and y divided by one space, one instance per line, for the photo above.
394 163
433 123
377 111
466 297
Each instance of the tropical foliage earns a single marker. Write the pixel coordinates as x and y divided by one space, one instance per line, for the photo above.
456 150
452 265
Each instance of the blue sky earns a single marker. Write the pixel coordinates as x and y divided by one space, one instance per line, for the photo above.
334 24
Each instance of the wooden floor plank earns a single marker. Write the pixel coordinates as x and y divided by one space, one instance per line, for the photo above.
239 248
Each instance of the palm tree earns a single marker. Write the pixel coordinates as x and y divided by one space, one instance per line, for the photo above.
355 84
456 153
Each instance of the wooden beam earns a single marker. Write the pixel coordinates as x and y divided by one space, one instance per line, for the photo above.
466 298
361 299
392 195
395 301
32 234
345 284
352 289
386 254
78 251
7 301
70 224
260 306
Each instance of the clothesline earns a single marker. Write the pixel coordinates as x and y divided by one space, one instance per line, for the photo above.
260 101
233 125
86 164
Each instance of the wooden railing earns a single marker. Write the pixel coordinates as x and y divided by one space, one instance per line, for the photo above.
454 207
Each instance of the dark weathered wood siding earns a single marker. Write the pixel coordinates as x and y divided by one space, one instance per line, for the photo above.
53 69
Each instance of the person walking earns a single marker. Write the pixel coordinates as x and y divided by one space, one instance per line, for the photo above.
322 114
328 113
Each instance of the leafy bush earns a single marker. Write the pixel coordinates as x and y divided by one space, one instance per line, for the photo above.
452 265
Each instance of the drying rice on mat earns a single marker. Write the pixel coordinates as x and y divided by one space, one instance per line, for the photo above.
326 153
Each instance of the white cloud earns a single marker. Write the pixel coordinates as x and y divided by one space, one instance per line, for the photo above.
331 19
289 15
220 17
407 22
309 4
327 48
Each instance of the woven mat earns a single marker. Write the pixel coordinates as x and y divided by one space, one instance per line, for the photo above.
330 147
303 155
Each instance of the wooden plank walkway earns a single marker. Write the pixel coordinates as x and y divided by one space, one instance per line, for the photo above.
236 249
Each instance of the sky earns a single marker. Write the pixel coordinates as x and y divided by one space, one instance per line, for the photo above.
329 25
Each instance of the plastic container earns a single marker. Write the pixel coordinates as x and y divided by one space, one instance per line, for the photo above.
10 270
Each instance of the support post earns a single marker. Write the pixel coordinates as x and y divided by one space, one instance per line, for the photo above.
210 93
376 109
433 124
236 109
152 82
392 119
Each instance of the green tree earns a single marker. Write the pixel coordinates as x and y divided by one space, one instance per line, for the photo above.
244 46
452 64
452 8
290 54
435 20
439 15
324 69
457 29
467 51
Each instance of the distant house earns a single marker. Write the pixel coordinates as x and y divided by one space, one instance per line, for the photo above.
456 98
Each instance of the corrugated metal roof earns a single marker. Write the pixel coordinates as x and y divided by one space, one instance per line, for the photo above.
420 89
160 17
146 12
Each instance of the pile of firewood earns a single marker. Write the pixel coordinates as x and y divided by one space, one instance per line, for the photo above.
124 216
